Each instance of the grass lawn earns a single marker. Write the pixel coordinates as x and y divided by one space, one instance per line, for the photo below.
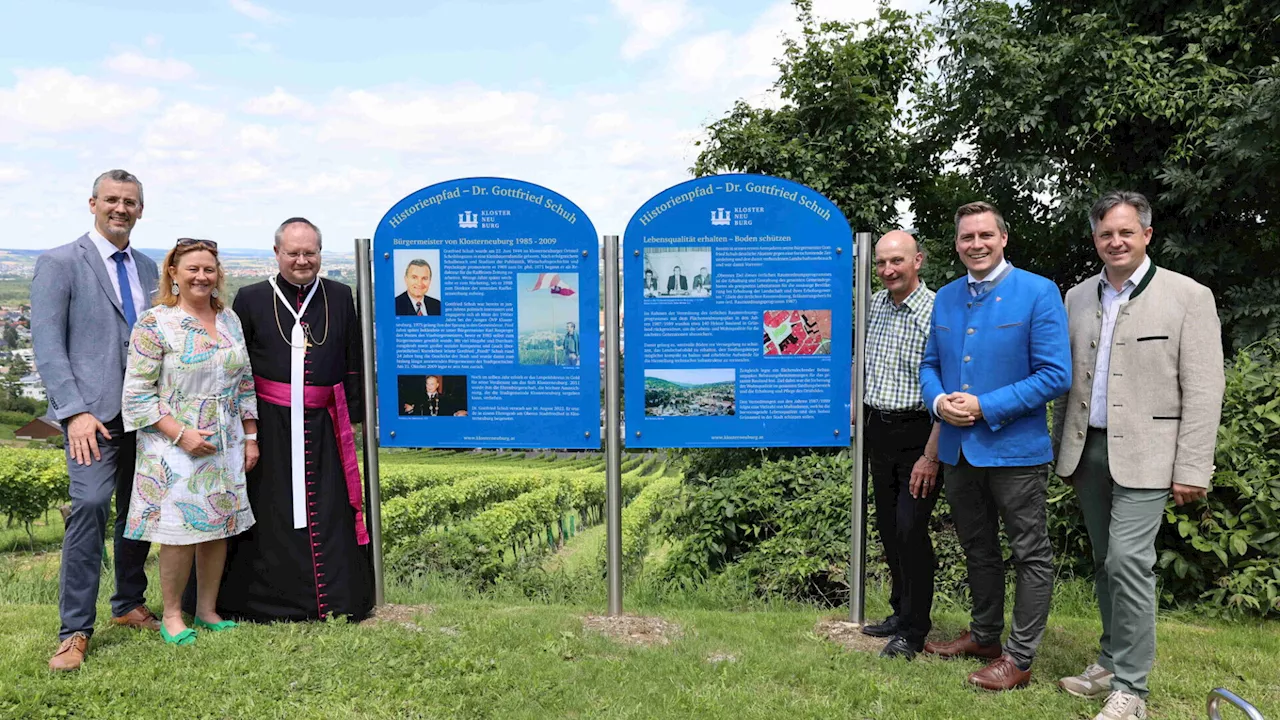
444 652
508 657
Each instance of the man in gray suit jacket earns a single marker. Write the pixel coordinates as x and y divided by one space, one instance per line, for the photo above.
1139 423
85 297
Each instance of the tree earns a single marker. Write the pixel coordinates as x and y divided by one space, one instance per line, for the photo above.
841 129
1042 106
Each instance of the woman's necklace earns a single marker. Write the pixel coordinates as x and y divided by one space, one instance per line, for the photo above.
311 340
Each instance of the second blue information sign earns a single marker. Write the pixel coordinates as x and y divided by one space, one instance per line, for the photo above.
738 292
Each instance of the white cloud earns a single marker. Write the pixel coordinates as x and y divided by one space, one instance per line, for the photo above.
855 10
743 64
698 63
445 122
255 11
259 137
53 100
278 102
153 41
732 65
652 23
626 152
132 63
185 128
250 41
13 174
608 123
231 168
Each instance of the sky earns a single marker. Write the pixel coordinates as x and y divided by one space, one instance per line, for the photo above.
236 114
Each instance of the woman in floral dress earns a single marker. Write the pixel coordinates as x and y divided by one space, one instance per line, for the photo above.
188 390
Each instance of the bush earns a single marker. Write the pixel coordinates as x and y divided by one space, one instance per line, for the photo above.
31 482
1226 551
782 517
787 521
13 417
638 525
464 529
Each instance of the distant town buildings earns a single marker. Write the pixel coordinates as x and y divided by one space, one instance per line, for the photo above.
30 386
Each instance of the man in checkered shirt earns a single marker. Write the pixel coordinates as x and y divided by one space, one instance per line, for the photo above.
901 441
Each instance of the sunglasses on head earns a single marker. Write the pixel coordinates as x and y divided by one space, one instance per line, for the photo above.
183 242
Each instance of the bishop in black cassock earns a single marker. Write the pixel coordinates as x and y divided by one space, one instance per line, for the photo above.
276 571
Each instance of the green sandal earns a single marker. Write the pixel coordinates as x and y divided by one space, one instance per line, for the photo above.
186 637
216 627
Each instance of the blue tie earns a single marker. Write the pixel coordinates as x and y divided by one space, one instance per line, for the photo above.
977 288
126 292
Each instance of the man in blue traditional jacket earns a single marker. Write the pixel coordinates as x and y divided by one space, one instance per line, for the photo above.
998 352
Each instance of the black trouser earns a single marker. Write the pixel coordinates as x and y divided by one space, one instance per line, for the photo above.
894 442
981 499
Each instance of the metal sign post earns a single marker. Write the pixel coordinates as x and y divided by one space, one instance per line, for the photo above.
613 433
373 489
858 516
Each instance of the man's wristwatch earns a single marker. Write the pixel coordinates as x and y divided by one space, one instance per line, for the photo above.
251 436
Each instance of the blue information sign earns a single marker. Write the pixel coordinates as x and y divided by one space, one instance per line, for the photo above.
739 307
486 294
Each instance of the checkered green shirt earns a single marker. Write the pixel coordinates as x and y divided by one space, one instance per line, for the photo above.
896 336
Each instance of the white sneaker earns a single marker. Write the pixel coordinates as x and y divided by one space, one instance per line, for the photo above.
1094 682
1123 706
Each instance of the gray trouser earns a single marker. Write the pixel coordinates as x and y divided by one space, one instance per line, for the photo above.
91 489
980 499
1122 524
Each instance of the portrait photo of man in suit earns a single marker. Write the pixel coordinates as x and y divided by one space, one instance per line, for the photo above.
702 281
1139 424
417 281
85 297
677 283
996 355
433 395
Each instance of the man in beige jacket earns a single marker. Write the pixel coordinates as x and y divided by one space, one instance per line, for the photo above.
1138 424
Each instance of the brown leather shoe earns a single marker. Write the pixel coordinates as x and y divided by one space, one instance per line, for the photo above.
70 653
139 618
1003 674
963 646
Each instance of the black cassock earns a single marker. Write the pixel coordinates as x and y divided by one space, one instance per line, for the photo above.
276 572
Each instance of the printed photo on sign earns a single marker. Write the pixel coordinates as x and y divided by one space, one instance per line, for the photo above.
417 288
547 319
688 393
797 332
432 395
677 272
